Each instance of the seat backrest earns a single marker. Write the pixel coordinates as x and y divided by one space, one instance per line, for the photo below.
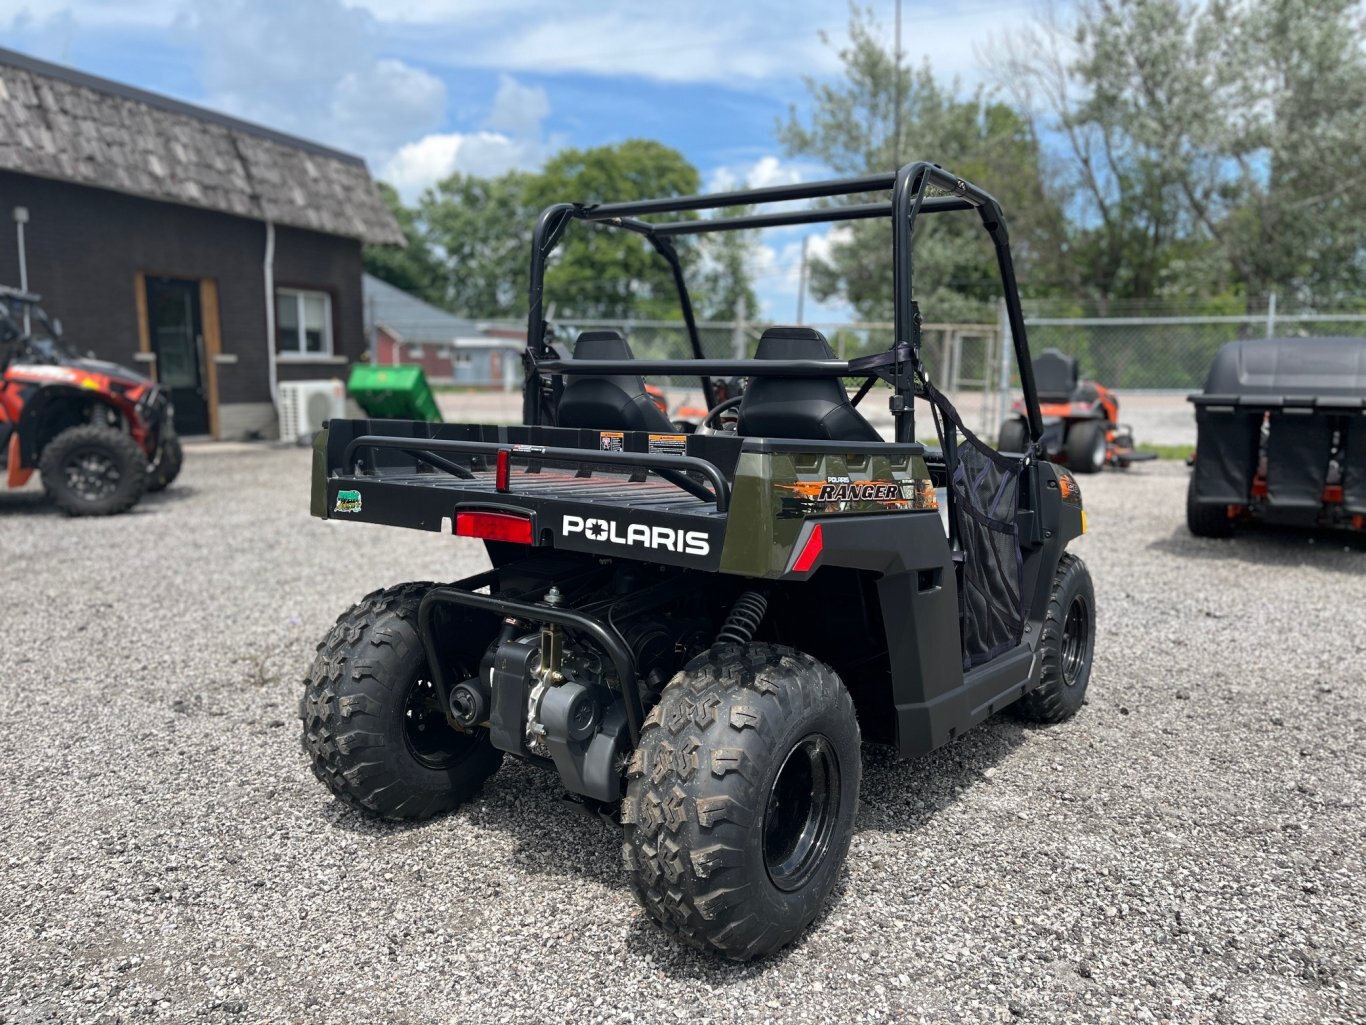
810 408
608 402
1055 376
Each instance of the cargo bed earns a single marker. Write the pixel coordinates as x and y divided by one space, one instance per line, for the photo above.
568 482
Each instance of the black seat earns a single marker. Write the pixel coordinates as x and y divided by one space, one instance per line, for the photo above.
610 402
1055 376
810 408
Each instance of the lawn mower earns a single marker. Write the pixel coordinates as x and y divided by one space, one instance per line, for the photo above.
99 434
1081 419
1281 436
695 633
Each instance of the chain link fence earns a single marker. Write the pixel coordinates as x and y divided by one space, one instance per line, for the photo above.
1134 353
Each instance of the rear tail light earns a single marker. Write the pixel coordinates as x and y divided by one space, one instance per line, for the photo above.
494 526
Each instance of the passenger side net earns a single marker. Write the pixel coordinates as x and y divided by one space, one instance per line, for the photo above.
985 486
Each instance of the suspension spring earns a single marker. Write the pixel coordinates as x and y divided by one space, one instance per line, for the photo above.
744 618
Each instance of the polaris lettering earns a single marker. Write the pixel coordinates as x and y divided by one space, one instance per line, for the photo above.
685 542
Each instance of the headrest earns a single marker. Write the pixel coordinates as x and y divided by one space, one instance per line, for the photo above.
793 343
601 345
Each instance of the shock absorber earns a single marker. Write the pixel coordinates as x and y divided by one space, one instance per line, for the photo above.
744 618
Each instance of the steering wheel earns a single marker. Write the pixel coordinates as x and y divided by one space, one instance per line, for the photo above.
712 420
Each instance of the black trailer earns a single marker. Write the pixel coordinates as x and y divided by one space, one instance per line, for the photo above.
694 631
1281 436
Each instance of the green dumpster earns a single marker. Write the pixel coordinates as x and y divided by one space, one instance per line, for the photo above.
393 393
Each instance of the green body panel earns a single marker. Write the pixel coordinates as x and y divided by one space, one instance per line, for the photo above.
317 498
775 493
393 393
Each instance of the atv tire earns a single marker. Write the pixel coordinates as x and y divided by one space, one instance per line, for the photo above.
372 728
1087 446
1205 520
1014 436
91 470
1068 643
741 797
170 458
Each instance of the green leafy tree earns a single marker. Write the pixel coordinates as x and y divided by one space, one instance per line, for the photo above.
880 115
481 228
414 267
476 233
1213 147
603 272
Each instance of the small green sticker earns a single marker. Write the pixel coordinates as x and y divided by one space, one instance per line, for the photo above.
348 501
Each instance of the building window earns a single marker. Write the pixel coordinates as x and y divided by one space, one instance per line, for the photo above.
303 322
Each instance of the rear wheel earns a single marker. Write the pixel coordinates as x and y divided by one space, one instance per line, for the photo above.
1086 446
1014 436
741 797
166 468
93 471
1203 519
1068 643
373 726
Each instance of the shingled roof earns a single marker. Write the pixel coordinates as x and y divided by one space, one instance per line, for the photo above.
63 124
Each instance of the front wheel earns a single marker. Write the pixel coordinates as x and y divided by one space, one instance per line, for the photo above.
741 797
166 467
1068 643
1014 436
1204 519
1087 446
93 471
373 726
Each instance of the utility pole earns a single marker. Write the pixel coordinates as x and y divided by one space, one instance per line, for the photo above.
737 333
896 95
801 282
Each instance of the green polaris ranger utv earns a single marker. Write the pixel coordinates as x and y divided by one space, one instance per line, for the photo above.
695 632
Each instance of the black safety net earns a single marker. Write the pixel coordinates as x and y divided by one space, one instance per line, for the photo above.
985 486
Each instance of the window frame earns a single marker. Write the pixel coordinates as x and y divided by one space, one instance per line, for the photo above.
303 355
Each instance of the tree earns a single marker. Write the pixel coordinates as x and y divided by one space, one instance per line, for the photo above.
1216 144
478 234
881 115
482 229
415 267
605 272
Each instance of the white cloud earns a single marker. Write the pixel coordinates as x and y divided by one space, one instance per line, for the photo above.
512 139
767 170
309 67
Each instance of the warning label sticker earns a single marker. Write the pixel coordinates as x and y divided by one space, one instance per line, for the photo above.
668 444
611 441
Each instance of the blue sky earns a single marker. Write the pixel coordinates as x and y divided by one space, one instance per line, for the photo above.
424 87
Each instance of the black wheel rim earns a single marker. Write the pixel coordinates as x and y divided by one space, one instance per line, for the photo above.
799 821
430 737
91 474
1076 640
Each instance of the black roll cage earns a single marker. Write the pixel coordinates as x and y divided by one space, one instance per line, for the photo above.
908 200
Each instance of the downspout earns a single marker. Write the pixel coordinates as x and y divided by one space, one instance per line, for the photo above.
268 270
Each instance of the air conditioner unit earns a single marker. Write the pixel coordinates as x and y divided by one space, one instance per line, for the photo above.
305 406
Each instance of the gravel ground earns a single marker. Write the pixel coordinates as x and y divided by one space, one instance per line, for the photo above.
1189 849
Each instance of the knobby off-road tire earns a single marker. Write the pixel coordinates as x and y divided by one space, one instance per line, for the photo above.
167 466
1068 643
1086 447
741 797
1204 520
372 728
1014 436
93 471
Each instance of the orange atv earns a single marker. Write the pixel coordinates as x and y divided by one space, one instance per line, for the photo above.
1080 417
99 434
